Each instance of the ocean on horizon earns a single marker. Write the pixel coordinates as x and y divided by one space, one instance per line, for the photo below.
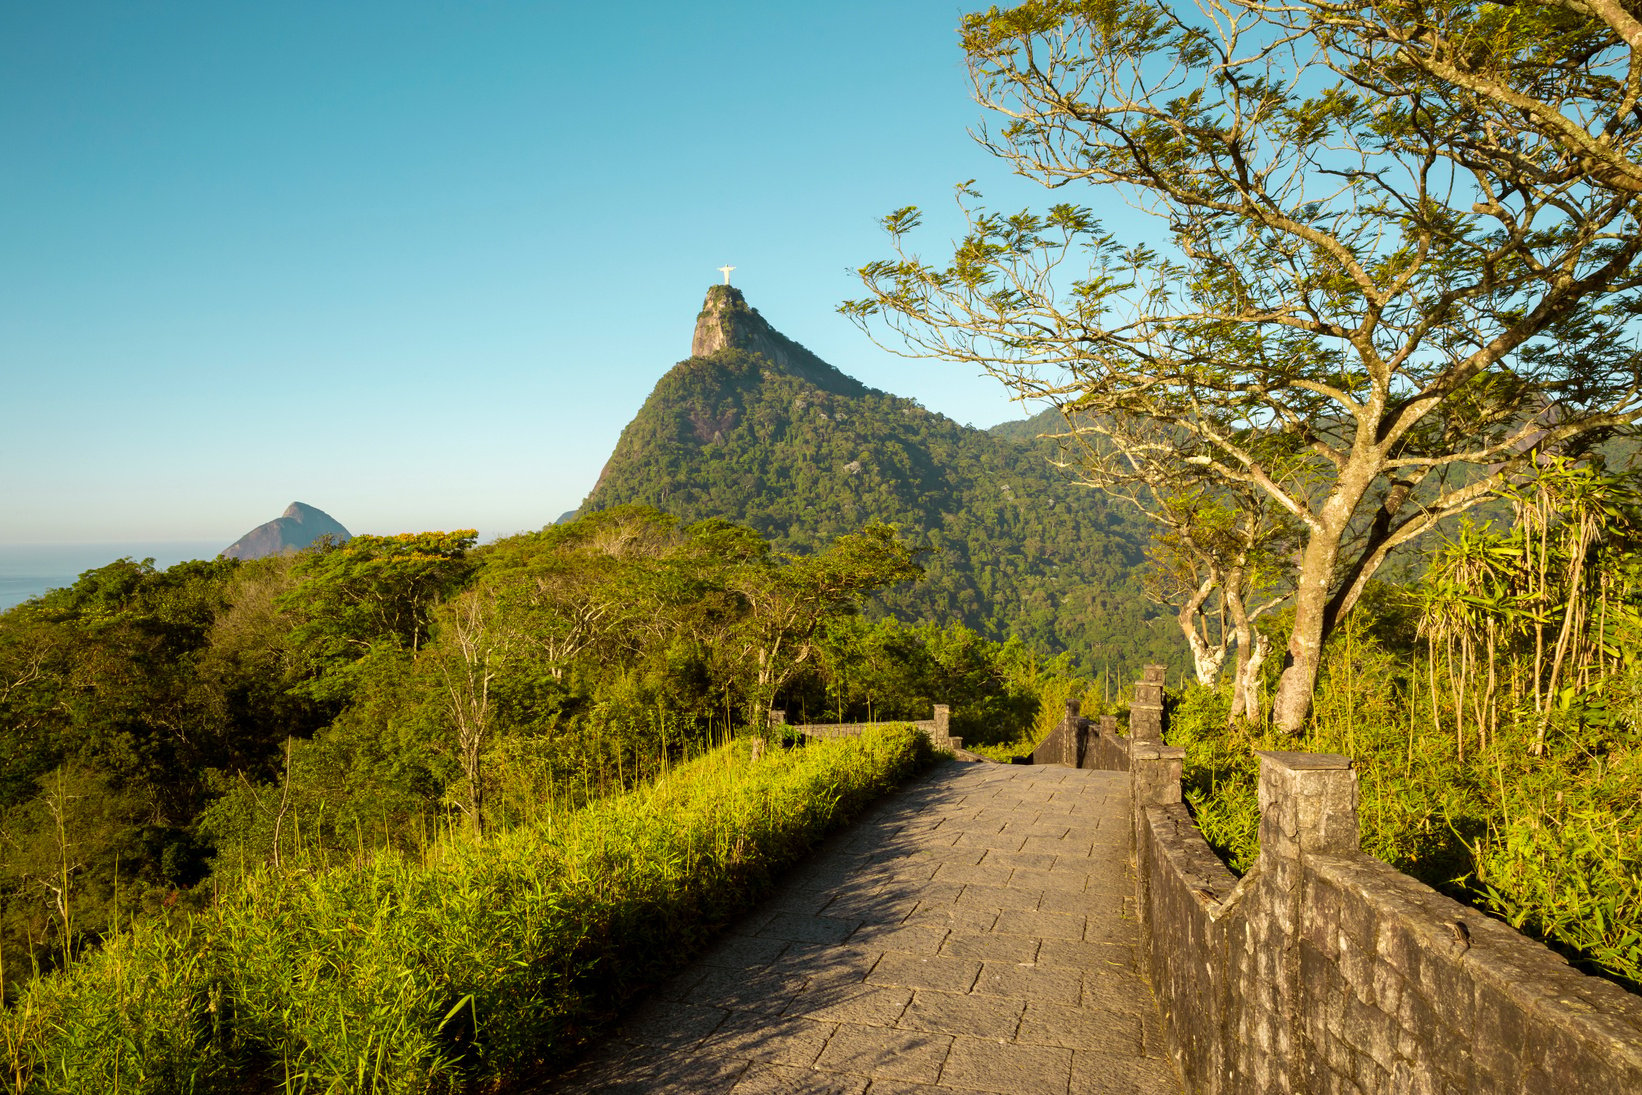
28 570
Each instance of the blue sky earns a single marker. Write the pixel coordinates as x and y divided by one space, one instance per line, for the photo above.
418 264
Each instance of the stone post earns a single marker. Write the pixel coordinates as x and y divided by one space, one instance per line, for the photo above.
1308 804
1154 773
778 719
1146 713
943 723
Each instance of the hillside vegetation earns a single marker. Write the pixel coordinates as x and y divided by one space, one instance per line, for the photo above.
166 734
465 962
761 432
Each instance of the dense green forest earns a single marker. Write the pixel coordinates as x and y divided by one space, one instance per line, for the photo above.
166 732
764 433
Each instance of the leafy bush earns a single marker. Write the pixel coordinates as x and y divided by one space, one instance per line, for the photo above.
478 960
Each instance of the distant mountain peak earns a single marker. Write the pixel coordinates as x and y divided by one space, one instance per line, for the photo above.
295 529
728 322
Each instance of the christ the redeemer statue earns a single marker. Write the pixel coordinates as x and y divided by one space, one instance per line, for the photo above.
725 270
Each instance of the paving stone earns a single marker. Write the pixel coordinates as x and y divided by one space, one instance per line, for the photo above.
1044 925
785 1080
743 952
1097 957
809 929
1018 861
1099 1074
1091 1029
939 892
1117 991
1056 845
671 1024
788 1041
974 932
918 937
913 1055
741 991
958 918
952 1013
1085 903
1047 880
863 1004
1104 927
678 986
1048 983
998 897
925 972
978 1064
1008 842
991 946
992 874
631 1070
888 905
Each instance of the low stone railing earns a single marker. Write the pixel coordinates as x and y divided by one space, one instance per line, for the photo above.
938 728
1325 970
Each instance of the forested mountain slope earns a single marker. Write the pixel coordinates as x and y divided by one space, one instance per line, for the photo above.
758 430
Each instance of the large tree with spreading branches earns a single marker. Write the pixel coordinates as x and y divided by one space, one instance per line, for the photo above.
1390 253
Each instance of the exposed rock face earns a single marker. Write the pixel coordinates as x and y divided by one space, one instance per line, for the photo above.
727 321
297 528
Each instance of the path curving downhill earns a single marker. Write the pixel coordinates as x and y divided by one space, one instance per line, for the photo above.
974 931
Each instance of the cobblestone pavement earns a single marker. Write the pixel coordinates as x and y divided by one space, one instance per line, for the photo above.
973 932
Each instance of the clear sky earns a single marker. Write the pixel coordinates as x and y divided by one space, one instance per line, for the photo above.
417 264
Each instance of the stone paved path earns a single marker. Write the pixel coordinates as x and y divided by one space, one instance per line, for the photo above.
974 932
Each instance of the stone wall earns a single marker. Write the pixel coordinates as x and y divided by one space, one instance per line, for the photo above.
1323 970
1078 742
938 728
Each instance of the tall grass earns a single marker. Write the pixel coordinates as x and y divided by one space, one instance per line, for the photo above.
474 961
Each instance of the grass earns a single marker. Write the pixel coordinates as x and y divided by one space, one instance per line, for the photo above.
472 964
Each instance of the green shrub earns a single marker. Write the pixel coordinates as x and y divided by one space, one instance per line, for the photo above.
475 961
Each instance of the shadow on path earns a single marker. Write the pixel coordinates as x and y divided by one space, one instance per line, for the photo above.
974 931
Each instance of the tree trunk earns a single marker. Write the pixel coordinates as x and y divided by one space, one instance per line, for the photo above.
1206 659
1252 648
1311 626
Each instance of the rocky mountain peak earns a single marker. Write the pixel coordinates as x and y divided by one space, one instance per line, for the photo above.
297 528
724 315
728 322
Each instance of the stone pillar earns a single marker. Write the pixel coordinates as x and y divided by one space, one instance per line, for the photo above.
778 719
1146 713
1154 773
943 722
1308 804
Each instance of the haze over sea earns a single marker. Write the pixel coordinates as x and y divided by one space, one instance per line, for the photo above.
28 570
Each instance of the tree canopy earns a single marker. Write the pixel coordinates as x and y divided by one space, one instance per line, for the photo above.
1393 255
